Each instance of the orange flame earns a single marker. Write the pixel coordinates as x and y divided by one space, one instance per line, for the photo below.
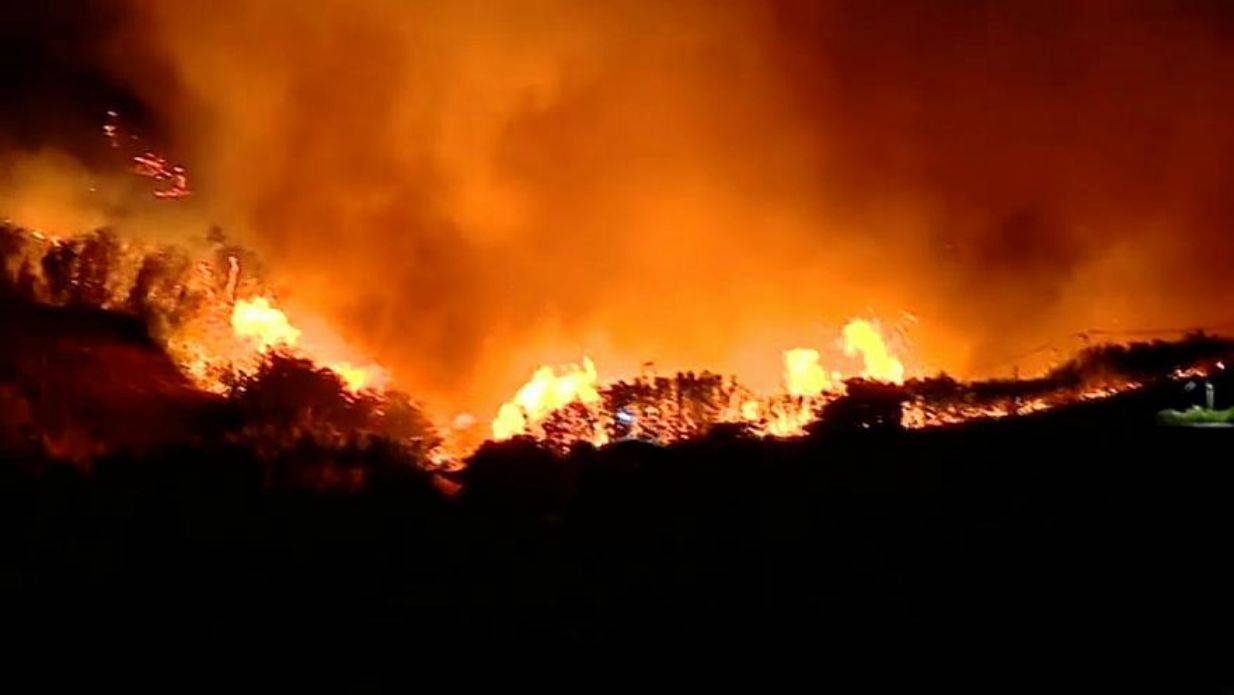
258 321
804 376
789 420
865 338
545 392
266 327
807 382
354 378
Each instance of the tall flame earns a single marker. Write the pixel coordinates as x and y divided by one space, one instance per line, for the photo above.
865 338
803 375
267 327
807 382
546 391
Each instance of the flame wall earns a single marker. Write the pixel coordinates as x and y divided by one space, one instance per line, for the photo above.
468 190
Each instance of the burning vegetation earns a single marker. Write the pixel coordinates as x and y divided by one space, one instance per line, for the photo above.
324 309
224 362
567 405
112 347
285 378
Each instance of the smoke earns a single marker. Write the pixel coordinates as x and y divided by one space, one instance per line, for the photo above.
58 85
467 190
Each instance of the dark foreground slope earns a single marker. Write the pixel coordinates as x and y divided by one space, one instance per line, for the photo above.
1088 528
75 380
1083 525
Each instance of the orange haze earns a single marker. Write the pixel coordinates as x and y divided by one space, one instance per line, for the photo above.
469 190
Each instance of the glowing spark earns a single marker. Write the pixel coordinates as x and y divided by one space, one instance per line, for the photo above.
158 168
150 165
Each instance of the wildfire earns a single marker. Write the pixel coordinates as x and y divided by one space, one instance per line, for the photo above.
217 323
354 377
804 376
865 338
204 332
919 413
265 326
751 411
570 398
546 391
789 419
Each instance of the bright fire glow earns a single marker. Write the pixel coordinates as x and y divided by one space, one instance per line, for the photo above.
354 378
224 336
750 410
790 420
267 327
804 376
807 383
546 391
865 338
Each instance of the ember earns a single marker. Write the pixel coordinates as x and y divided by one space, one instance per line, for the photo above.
173 178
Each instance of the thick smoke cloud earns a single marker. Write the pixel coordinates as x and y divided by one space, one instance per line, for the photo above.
470 189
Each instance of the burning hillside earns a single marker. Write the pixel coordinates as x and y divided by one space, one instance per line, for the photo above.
171 349
633 320
114 348
508 231
462 195
664 409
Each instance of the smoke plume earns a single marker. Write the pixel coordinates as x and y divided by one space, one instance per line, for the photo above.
469 189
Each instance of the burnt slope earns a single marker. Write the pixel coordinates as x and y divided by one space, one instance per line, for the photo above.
82 381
